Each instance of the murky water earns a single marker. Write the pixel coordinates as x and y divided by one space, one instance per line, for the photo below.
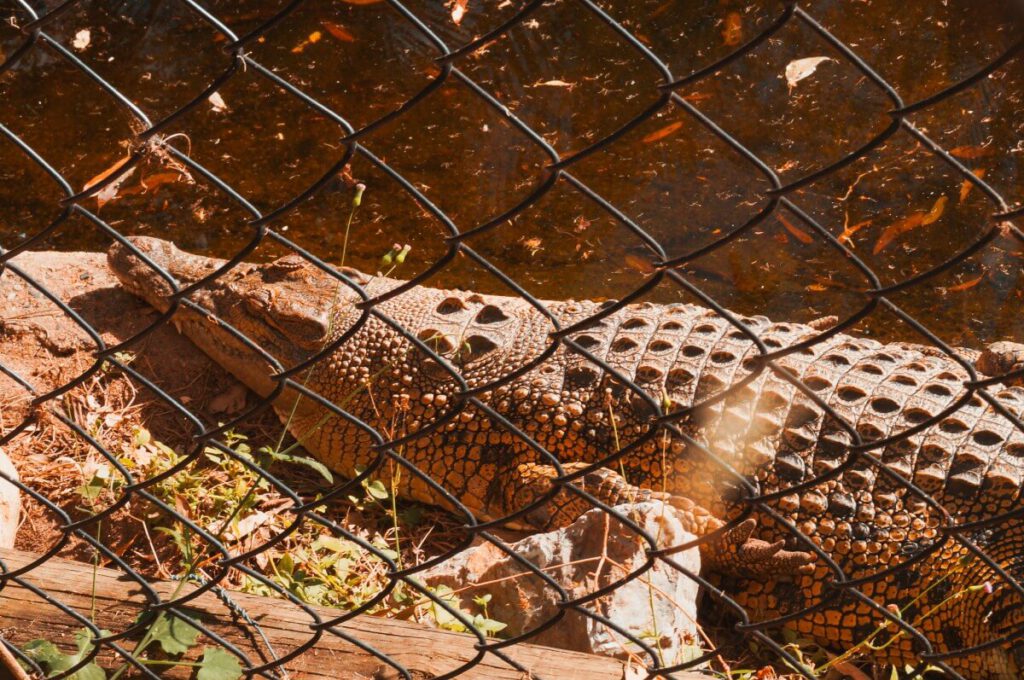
573 79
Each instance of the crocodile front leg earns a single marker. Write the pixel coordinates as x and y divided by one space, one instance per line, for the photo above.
734 552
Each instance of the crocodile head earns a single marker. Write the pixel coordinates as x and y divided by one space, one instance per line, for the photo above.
288 307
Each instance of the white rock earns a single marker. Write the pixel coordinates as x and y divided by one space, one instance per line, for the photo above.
10 503
659 607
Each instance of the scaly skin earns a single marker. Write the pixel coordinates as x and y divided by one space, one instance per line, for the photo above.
970 462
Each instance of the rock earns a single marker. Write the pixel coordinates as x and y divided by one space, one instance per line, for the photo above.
659 607
10 502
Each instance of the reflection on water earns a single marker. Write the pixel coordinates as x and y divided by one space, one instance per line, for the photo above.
573 79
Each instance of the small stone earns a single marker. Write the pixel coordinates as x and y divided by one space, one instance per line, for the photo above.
663 600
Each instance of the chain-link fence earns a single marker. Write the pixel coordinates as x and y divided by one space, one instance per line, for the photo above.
843 586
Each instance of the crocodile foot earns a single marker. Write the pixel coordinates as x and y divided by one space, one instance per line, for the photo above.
738 553
735 552
1001 358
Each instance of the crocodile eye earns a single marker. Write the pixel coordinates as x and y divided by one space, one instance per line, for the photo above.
304 323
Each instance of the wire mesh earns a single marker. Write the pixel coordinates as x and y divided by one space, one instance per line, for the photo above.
664 266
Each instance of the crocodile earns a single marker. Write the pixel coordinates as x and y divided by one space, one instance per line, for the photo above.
656 401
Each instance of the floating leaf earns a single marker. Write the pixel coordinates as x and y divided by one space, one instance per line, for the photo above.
798 234
918 219
151 182
217 102
640 264
554 83
967 185
799 69
966 285
662 133
971 152
82 40
337 31
314 37
849 231
459 8
107 173
732 29
109 192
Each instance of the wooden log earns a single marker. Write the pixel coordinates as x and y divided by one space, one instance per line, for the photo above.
424 651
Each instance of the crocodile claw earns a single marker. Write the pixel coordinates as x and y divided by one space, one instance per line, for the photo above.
761 559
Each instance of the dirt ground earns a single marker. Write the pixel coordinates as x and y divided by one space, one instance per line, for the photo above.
48 349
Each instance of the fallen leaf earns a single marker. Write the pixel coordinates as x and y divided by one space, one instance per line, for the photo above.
732 29
459 10
107 173
532 244
971 152
217 102
816 287
662 133
799 69
798 234
554 83
314 37
337 31
640 264
849 231
153 181
966 285
82 40
936 212
697 96
967 185
109 192
918 219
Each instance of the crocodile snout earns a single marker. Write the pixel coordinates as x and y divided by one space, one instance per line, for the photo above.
151 266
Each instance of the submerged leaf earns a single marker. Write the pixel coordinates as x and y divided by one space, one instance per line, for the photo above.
799 69
798 234
967 185
732 29
337 31
918 219
459 10
966 285
662 133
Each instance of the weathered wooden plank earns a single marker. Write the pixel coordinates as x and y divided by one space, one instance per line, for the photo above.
422 650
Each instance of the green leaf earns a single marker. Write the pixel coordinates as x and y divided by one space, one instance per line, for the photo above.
176 636
488 626
286 565
300 460
217 664
332 543
377 489
46 653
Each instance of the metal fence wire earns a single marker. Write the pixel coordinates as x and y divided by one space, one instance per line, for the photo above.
663 268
